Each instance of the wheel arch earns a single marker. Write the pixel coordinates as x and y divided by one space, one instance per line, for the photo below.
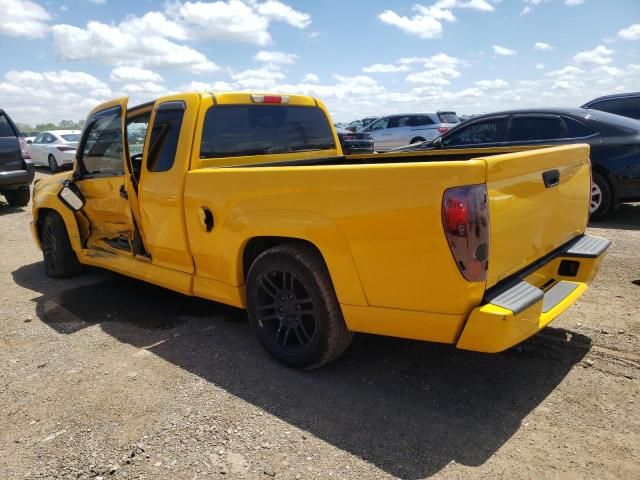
44 203
326 240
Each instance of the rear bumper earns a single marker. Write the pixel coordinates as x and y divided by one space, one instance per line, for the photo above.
14 179
522 306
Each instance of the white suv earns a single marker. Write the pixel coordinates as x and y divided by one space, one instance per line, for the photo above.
394 131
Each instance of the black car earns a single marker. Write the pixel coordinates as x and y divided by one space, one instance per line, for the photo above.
625 104
354 142
614 141
16 168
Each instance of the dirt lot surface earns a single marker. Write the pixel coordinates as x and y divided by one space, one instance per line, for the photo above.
106 377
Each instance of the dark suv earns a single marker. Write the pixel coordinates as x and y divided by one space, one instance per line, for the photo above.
16 168
614 141
625 104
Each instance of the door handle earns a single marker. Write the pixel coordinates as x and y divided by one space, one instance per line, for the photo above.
551 178
123 192
206 219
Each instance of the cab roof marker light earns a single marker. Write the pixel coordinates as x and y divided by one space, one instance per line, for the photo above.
270 98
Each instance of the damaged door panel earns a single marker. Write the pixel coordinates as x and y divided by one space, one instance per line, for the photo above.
100 176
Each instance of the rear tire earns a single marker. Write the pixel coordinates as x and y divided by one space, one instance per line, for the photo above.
19 197
293 308
60 261
416 140
53 165
601 197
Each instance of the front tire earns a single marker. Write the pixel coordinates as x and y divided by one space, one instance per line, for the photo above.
601 197
293 308
53 165
60 261
19 197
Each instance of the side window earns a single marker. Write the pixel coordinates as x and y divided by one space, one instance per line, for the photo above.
137 132
48 138
397 122
5 127
627 107
578 129
420 120
102 144
488 131
165 133
38 138
525 129
380 124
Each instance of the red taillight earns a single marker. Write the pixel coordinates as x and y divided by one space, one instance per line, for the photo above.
443 129
270 98
465 218
24 149
66 149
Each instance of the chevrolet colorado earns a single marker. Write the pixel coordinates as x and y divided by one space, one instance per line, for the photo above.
246 199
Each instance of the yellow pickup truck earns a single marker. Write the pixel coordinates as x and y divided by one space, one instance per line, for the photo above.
246 199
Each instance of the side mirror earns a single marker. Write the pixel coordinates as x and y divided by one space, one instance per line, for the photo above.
71 196
29 142
437 143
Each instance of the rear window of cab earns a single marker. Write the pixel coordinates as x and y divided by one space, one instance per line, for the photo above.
242 130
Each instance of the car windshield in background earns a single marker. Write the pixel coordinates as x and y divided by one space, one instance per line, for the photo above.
237 130
613 119
71 137
448 117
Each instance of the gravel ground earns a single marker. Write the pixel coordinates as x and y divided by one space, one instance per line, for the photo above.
107 377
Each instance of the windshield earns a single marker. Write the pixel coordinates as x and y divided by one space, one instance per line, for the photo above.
71 137
238 130
448 117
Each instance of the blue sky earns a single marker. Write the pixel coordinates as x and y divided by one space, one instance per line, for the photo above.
362 57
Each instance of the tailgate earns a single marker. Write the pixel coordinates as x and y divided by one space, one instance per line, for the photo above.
538 201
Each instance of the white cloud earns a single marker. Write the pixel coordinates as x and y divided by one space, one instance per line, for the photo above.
245 21
630 33
542 46
275 10
492 84
145 87
153 40
275 57
385 68
23 18
117 45
526 11
258 79
98 2
573 3
504 51
568 71
439 69
539 66
600 55
135 74
310 78
427 21
51 95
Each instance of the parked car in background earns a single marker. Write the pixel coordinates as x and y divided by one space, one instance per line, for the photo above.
354 142
55 148
358 124
29 137
16 169
614 141
393 131
625 104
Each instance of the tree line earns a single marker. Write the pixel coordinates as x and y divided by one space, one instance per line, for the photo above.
41 127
